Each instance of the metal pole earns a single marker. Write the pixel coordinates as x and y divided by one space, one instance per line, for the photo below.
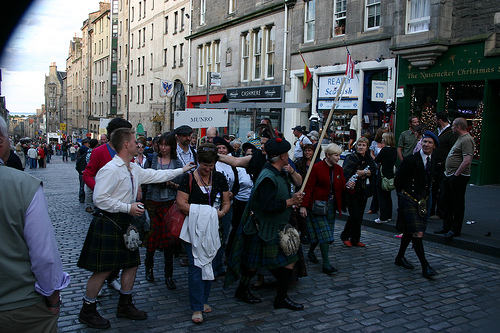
209 74
323 133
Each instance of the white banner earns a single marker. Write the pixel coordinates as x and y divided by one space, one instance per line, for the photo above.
166 88
201 118
349 104
328 86
379 91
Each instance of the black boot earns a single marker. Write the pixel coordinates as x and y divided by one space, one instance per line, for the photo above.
149 275
126 309
92 318
243 294
284 275
168 255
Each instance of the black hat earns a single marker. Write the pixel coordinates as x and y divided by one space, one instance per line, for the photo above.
221 141
86 140
429 134
247 145
183 130
296 128
275 147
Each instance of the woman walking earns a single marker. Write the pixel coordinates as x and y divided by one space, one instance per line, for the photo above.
325 184
386 160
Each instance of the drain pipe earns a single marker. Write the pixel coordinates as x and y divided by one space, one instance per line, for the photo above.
285 36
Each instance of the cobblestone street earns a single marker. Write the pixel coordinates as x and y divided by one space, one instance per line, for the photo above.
368 294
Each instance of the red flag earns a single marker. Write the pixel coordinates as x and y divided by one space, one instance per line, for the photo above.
349 70
307 74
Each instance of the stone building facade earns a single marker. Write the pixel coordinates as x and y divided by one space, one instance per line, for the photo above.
54 95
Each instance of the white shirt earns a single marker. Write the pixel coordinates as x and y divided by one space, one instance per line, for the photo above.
113 190
298 149
441 130
228 172
246 185
424 157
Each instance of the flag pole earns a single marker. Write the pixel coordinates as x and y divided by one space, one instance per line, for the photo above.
323 133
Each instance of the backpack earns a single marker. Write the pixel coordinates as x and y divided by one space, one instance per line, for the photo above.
81 163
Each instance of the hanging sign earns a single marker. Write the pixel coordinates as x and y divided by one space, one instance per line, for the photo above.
379 91
201 118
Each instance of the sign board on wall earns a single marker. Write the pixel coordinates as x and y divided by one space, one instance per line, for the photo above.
379 91
201 118
349 104
260 92
329 85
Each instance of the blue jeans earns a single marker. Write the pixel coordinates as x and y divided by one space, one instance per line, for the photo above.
199 289
33 163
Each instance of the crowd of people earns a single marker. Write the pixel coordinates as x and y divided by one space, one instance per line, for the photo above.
244 207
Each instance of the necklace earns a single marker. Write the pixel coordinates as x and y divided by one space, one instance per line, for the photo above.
206 186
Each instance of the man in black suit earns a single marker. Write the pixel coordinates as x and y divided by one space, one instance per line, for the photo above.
413 183
446 140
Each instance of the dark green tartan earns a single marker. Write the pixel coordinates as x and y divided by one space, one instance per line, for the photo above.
320 228
260 254
104 248
408 219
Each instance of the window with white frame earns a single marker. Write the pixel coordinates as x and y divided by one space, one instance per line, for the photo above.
216 50
208 57
139 42
176 18
339 17
175 56
201 68
419 15
182 25
232 6
164 57
139 66
257 54
270 51
310 21
372 16
132 15
245 56
203 8
151 63
166 25
140 6
181 55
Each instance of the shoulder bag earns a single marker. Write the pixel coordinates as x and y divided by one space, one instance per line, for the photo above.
174 219
387 184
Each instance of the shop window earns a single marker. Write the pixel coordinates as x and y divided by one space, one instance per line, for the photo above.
423 104
372 17
339 17
466 100
310 21
419 15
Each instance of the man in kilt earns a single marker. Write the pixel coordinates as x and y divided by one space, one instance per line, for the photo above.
413 183
104 249
257 242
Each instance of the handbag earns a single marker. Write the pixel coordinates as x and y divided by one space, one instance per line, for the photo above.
174 219
289 240
320 207
387 184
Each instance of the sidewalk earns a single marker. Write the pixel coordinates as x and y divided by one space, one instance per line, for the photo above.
482 205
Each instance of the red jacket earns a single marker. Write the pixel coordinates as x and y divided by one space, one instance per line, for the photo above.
100 157
318 185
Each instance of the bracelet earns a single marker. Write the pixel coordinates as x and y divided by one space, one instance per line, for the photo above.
293 172
58 304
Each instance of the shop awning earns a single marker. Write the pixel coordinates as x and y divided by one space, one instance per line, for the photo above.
256 105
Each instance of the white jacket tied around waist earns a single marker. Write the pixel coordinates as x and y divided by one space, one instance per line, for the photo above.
201 229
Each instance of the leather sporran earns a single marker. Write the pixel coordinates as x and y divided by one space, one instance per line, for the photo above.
132 238
320 207
289 240
422 207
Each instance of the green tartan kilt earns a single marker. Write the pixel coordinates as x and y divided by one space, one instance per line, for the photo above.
260 254
320 228
408 219
104 248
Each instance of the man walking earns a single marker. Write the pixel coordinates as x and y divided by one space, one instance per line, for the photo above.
104 250
446 140
457 172
31 275
413 183
407 139
81 162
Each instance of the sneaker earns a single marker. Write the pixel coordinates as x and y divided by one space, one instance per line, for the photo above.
115 285
380 221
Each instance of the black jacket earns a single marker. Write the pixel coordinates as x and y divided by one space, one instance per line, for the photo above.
411 176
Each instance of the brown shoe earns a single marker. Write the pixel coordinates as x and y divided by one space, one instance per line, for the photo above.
89 210
92 318
126 309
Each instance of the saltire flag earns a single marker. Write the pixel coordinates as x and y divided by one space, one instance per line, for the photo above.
349 70
166 88
307 74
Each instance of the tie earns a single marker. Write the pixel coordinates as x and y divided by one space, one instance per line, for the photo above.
428 167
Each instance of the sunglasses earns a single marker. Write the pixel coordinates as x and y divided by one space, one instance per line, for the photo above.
140 146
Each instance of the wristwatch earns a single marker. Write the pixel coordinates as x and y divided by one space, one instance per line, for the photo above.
58 304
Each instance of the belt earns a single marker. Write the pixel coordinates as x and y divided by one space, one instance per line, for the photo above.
113 216
409 196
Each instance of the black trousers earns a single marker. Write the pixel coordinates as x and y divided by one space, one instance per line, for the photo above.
385 202
437 207
454 200
352 230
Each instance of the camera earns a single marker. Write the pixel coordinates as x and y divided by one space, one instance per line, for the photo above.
141 206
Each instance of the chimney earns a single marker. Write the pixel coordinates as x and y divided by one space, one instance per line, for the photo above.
53 69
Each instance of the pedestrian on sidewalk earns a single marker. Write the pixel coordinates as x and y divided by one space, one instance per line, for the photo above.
413 183
386 160
104 250
457 172
32 272
360 164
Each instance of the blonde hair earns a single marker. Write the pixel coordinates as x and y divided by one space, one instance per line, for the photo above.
389 139
332 149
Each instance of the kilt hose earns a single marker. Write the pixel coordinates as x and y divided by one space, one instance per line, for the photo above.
104 248
321 228
408 219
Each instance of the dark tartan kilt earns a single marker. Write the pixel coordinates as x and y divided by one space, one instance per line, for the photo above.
321 228
268 255
104 248
408 219
159 236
